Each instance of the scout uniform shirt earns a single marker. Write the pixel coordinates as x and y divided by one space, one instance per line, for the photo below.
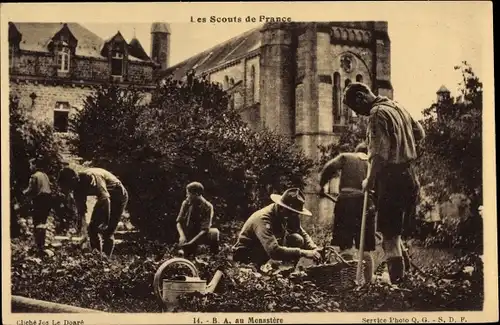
353 167
39 184
263 234
195 216
102 182
391 132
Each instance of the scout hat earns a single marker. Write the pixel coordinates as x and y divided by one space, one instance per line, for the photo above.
293 199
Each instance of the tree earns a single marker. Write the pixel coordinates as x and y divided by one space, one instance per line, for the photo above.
451 160
186 133
28 139
454 139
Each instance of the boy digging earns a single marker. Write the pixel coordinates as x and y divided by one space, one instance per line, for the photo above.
194 222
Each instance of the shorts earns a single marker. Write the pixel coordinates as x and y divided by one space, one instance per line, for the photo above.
396 200
42 204
347 224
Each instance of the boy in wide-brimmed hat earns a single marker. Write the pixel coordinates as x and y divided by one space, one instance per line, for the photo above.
275 232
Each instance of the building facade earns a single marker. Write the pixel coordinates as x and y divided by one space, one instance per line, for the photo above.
290 77
54 67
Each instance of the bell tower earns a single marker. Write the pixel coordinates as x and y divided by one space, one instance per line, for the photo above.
160 44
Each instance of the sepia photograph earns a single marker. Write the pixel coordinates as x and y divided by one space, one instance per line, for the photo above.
224 165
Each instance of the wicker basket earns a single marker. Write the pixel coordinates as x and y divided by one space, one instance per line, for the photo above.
338 276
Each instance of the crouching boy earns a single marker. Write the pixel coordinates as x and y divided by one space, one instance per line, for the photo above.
194 222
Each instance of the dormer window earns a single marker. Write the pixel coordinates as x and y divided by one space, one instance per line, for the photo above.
63 58
117 64
63 45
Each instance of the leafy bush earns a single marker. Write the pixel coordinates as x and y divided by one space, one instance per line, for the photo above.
28 139
454 139
186 133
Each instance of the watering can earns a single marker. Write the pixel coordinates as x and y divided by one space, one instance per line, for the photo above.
168 290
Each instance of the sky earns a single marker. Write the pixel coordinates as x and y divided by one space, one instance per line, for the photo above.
424 48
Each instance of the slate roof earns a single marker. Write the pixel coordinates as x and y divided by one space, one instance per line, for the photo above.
136 49
36 37
231 49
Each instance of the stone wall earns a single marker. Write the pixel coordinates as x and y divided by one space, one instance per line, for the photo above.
39 64
42 108
47 96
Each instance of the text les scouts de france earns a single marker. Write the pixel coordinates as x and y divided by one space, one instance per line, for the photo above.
247 19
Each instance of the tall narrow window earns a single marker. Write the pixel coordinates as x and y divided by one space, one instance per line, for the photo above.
117 64
61 117
359 78
231 83
252 85
63 55
226 82
337 98
346 111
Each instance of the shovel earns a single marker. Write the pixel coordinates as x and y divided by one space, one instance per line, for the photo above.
362 239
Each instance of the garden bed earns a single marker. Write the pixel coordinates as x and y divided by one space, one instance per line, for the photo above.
124 283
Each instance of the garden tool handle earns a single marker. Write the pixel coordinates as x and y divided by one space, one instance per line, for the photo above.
339 257
362 238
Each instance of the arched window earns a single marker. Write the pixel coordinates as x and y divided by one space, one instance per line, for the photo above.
359 78
231 101
346 111
337 98
252 83
226 82
231 82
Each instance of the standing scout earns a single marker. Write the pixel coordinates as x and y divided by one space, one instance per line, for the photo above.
274 232
194 222
391 137
40 193
349 207
112 198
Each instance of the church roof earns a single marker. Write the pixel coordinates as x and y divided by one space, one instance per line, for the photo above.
227 51
37 36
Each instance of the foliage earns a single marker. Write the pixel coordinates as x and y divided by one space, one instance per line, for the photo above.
123 283
454 138
105 127
187 132
28 139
